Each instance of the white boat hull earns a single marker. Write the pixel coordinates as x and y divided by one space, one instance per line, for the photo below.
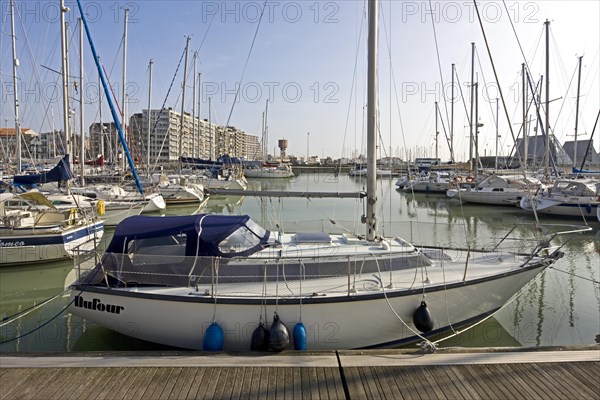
489 198
332 322
42 247
561 208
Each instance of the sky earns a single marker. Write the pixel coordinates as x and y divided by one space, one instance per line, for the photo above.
308 60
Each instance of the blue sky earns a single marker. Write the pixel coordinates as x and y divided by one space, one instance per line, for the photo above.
309 59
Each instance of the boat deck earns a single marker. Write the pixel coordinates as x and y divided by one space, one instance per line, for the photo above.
390 374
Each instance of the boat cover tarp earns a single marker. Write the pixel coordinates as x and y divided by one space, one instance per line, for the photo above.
204 232
61 172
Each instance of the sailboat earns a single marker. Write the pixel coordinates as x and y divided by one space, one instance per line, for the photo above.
211 281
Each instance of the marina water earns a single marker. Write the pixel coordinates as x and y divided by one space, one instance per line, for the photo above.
560 308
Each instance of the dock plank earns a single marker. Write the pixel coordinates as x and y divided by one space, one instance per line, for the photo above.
521 385
184 383
354 383
145 376
474 378
22 376
210 382
459 380
196 385
439 382
587 373
130 381
572 386
13 379
236 386
480 376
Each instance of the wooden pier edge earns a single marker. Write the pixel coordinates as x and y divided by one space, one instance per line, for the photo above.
560 373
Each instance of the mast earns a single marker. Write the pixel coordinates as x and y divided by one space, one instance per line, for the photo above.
187 45
476 168
65 77
100 114
124 90
452 119
16 96
525 103
577 114
200 129
437 132
149 117
266 138
371 219
110 101
497 135
472 105
547 123
194 106
81 100
210 135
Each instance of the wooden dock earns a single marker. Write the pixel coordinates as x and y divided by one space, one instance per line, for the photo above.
389 374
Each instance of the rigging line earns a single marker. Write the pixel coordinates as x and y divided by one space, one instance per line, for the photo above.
35 67
22 313
351 88
206 33
443 97
517 37
463 97
162 109
396 97
562 104
430 344
590 141
577 276
495 75
246 63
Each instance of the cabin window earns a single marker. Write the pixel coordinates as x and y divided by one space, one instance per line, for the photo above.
241 240
169 245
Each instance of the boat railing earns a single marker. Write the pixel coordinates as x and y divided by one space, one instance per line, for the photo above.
250 276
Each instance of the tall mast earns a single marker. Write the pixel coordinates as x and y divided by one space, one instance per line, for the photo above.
266 132
547 124
371 218
100 115
476 169
149 118
497 135
203 146
452 119
16 91
65 77
124 89
210 134
472 105
525 156
577 114
81 100
187 45
194 106
437 132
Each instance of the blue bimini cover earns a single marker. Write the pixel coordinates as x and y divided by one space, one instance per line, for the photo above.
205 234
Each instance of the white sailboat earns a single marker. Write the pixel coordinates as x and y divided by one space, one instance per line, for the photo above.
567 198
210 281
33 230
499 190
